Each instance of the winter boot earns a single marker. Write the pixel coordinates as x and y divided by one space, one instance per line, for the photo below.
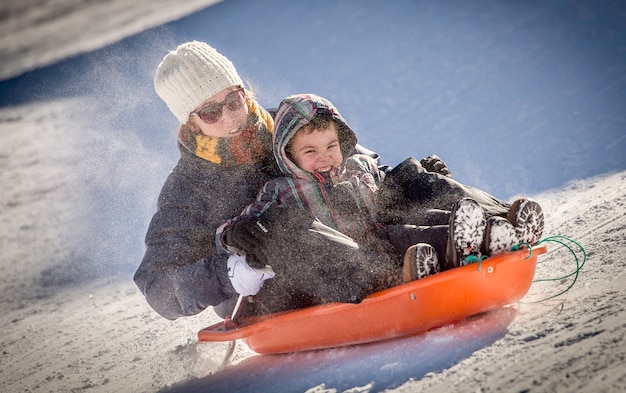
526 216
499 236
420 260
465 233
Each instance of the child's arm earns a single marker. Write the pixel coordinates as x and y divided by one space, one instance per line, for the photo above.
364 170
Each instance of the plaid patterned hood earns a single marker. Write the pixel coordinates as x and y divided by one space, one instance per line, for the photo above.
296 111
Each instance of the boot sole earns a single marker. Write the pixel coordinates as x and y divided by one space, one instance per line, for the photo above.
527 218
466 231
420 261
500 236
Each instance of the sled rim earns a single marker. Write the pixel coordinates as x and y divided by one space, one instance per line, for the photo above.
436 300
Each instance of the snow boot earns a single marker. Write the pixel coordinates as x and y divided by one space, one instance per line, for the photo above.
465 233
527 218
420 260
499 236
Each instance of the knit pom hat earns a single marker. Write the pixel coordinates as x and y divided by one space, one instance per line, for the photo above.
190 75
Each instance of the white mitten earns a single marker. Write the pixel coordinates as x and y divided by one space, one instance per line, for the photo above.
246 280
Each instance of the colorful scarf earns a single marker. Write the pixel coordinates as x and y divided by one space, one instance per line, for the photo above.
251 146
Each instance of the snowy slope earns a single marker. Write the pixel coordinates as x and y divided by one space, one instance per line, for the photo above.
521 98
63 332
34 34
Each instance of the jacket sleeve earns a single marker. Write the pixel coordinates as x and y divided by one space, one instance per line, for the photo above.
182 273
180 291
375 156
363 171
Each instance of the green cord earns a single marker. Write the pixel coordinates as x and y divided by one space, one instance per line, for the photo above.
555 239
561 240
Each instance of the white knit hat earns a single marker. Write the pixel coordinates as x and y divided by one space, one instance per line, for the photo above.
190 75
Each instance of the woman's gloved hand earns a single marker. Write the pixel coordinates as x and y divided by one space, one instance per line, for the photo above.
246 280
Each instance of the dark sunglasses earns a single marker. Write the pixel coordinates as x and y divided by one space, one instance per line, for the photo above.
212 112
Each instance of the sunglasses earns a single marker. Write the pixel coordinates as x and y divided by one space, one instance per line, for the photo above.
212 112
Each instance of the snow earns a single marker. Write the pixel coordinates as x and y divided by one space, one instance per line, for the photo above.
36 34
518 98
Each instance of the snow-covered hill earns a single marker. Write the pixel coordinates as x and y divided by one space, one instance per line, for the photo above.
37 34
85 146
68 329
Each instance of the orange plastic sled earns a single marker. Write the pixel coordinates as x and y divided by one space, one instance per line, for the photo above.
407 309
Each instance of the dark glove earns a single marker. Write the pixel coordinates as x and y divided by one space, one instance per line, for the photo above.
251 235
433 163
255 235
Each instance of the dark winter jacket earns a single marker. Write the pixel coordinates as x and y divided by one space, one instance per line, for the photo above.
182 273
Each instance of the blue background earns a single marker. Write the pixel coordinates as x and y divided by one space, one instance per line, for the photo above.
517 97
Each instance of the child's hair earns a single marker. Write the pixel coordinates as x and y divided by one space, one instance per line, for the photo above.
320 121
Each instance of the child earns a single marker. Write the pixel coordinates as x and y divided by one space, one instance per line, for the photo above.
313 146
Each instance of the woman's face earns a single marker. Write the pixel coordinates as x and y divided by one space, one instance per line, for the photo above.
224 115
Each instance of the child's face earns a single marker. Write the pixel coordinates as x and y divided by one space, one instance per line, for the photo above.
317 150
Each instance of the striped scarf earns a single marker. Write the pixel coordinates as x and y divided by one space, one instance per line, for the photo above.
251 146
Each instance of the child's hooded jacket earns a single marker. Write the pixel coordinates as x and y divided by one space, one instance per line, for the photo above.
342 199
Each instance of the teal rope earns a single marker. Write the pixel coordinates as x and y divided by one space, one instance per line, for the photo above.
479 259
561 240
472 258
529 247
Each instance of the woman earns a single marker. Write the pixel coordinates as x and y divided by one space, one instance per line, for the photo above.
225 157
